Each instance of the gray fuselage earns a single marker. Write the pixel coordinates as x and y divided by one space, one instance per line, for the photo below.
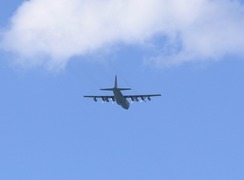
120 99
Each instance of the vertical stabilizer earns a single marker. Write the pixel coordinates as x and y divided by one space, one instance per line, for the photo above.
115 87
115 82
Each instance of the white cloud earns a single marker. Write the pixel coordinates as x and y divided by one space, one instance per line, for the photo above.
60 29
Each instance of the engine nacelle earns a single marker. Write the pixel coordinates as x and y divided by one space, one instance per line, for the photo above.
95 99
149 99
143 98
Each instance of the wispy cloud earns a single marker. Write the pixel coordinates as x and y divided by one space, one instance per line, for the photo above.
51 32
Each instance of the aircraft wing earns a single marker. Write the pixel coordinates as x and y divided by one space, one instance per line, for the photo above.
104 98
141 97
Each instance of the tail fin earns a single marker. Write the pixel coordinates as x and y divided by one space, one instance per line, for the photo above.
115 86
115 82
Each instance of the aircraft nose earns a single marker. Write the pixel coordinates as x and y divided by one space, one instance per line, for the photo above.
127 106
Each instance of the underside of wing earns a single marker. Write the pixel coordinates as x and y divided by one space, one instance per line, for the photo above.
141 97
104 98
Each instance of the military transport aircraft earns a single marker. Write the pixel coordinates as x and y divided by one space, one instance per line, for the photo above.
120 98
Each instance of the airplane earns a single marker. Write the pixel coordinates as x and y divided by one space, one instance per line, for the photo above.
120 98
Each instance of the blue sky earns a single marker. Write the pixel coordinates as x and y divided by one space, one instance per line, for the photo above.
193 131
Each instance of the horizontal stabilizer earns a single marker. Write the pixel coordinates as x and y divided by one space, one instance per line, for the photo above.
124 89
107 89
111 89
